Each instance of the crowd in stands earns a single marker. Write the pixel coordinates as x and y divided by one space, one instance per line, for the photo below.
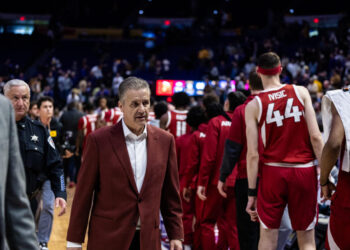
320 63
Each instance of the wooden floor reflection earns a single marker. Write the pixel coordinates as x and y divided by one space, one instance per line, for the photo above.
60 225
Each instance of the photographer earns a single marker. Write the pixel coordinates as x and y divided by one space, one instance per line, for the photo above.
69 120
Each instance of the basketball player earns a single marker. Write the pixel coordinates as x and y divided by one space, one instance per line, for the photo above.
86 125
216 210
111 116
236 152
175 120
292 141
335 114
195 117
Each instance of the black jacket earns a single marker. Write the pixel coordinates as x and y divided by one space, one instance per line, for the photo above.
40 157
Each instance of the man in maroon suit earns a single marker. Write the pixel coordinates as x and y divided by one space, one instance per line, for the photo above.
129 170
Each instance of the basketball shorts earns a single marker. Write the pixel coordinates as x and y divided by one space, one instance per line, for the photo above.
338 228
285 185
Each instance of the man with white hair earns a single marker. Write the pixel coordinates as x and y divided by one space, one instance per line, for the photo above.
41 160
17 230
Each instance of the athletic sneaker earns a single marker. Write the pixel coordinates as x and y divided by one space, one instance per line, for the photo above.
43 246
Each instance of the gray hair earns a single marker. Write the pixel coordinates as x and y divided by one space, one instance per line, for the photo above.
132 82
15 83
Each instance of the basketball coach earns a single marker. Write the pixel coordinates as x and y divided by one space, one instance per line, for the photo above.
129 174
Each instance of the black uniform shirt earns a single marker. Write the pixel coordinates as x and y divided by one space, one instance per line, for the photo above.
40 158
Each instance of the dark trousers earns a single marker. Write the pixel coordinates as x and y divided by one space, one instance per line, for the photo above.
135 244
34 205
248 231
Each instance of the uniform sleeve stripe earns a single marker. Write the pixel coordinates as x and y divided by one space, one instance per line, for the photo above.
298 95
331 241
260 107
263 134
169 120
84 119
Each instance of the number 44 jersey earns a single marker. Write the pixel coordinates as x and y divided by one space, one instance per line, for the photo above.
283 127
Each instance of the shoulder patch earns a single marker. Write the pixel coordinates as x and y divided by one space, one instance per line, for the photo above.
50 141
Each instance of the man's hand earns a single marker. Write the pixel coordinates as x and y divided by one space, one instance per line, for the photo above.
59 202
175 245
187 193
67 154
201 193
327 191
76 153
222 189
251 208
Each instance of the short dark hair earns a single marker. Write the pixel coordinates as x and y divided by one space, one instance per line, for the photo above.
72 105
214 109
210 98
45 99
255 82
196 116
235 99
88 106
269 60
132 82
160 108
32 104
181 100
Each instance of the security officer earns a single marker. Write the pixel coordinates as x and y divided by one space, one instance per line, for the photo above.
40 158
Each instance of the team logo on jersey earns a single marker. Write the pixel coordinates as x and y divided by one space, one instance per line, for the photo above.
34 138
201 135
225 123
50 141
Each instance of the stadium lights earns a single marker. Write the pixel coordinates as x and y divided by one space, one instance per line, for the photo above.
167 22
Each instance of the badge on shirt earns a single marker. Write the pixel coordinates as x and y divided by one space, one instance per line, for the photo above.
53 133
50 141
34 138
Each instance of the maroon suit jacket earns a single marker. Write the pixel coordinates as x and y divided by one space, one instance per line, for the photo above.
106 172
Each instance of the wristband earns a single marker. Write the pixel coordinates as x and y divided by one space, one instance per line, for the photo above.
252 191
325 184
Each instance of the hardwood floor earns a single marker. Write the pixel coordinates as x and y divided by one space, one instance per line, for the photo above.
60 225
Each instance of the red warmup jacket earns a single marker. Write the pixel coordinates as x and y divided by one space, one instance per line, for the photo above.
213 152
183 145
238 135
195 153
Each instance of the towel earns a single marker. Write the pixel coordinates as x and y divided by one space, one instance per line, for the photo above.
341 101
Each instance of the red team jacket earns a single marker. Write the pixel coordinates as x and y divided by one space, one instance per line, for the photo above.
213 152
283 127
238 135
177 124
183 146
196 151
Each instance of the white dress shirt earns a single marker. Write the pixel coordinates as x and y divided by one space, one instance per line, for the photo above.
137 150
